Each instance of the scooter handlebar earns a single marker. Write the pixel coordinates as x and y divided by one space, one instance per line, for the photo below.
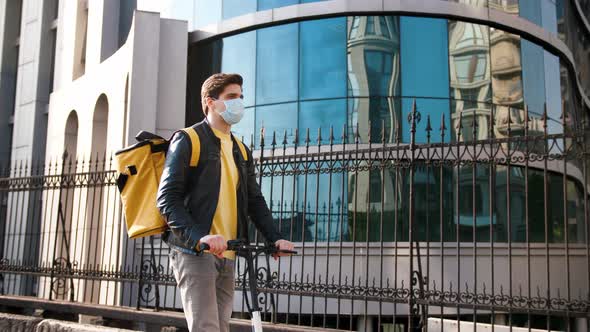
239 245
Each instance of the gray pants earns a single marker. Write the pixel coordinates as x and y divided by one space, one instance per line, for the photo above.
206 285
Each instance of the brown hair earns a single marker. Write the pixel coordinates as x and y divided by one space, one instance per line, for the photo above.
215 84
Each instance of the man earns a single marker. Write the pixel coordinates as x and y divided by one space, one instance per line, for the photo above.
211 204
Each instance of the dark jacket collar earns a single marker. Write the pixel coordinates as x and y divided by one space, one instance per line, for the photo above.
211 134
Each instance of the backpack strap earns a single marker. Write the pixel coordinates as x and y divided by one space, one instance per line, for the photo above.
196 145
242 149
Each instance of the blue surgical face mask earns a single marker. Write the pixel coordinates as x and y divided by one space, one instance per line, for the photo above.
234 111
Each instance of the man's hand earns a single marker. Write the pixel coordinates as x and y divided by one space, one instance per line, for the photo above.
217 244
283 245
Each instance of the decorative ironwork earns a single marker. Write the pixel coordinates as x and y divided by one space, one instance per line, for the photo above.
367 241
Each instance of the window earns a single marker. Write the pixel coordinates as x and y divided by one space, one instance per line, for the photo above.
471 67
277 71
233 8
323 58
472 35
379 68
355 27
270 4
322 114
370 27
239 56
278 118
384 28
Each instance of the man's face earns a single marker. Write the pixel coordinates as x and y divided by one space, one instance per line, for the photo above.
231 91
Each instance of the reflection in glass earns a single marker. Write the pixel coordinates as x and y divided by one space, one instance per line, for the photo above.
383 114
323 58
233 8
552 92
555 213
424 54
320 200
470 76
436 109
534 85
568 96
531 10
276 74
575 35
549 15
373 70
354 29
278 118
373 194
507 6
270 4
278 192
322 114
239 56
473 214
244 129
507 82
475 3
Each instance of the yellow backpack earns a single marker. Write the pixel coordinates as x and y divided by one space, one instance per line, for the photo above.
140 167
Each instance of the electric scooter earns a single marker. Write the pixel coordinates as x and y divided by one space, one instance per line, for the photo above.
250 252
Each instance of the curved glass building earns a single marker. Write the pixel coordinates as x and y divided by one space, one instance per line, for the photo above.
349 72
346 72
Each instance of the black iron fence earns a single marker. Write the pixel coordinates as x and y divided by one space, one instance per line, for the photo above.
478 220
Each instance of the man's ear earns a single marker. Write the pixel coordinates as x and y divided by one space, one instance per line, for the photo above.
209 101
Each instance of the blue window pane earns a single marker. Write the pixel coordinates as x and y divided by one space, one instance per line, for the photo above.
244 129
424 54
549 15
533 77
436 109
385 30
372 70
379 116
323 58
531 10
379 66
276 118
320 206
239 56
270 4
306 1
507 87
233 8
470 79
207 12
553 85
354 29
277 71
322 114
370 27
278 192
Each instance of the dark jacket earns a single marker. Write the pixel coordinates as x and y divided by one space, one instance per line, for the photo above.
187 196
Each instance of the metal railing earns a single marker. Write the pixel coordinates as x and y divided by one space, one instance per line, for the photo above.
489 228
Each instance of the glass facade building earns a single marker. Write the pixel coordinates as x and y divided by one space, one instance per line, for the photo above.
359 76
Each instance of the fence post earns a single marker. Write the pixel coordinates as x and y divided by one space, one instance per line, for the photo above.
416 277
